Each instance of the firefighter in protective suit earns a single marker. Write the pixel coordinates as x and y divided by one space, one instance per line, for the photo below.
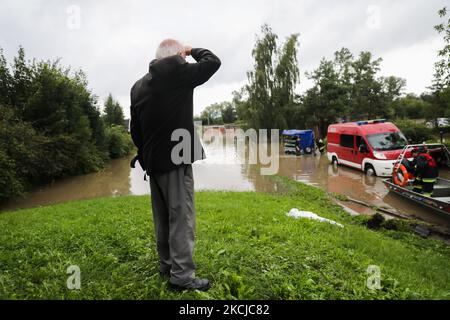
320 145
425 169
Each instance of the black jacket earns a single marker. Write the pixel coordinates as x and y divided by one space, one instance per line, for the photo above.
161 102
420 167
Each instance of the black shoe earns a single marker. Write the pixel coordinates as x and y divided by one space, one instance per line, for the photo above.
194 284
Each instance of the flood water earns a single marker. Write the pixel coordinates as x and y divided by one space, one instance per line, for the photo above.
223 171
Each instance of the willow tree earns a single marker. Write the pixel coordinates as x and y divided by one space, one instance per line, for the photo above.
286 79
271 84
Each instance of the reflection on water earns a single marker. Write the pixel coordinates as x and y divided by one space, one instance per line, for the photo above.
225 171
116 179
342 180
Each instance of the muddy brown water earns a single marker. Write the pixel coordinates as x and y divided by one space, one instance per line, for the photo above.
223 171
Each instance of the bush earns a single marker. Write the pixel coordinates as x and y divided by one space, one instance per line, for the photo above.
414 132
10 184
50 126
118 141
19 156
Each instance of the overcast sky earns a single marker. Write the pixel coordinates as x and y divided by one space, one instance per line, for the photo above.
113 41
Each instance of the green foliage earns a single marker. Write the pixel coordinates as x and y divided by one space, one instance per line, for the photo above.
366 95
10 183
411 107
345 88
21 81
50 126
113 112
440 97
392 90
249 252
439 104
270 89
118 141
240 101
414 132
5 81
228 113
218 113
348 88
21 154
442 67
328 98
212 114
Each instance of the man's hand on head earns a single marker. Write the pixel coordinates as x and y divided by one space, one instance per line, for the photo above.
185 52
188 50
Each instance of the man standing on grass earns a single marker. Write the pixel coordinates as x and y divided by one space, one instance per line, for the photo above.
161 106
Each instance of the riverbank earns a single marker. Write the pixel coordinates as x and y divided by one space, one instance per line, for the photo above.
118 179
246 245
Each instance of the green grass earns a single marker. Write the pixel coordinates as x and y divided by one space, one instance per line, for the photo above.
245 244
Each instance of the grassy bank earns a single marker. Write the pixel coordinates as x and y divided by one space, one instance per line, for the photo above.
245 244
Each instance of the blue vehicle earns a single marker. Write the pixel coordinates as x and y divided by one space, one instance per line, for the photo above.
298 141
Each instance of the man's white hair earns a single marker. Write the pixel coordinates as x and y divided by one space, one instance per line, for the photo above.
167 48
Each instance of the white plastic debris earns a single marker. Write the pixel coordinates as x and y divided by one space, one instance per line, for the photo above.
296 214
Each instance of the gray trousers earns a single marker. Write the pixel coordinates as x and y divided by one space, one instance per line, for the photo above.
173 208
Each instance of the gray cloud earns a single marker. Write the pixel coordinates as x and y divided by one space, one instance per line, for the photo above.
117 39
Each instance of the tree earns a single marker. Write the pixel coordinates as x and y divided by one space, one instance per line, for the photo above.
343 60
241 104
325 101
442 67
113 112
410 107
441 82
19 154
414 132
347 88
330 99
392 89
286 78
50 126
218 113
228 113
21 81
119 141
366 96
5 81
213 114
271 84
